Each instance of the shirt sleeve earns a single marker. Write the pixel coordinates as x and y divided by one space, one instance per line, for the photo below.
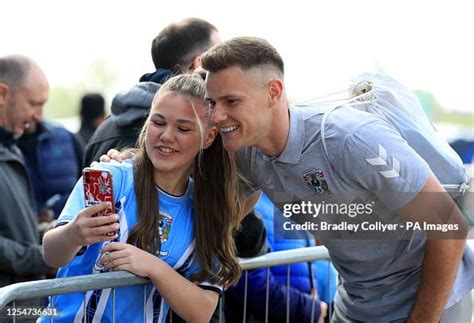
193 267
213 287
375 158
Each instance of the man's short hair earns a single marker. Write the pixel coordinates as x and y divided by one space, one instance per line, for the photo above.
245 52
92 106
14 70
177 44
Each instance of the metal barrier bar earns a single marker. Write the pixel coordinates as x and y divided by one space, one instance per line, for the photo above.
51 287
245 296
267 295
285 257
51 305
221 308
20 291
313 304
113 305
288 285
48 287
84 308
329 290
144 303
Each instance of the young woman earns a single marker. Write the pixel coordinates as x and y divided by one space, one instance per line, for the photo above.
175 229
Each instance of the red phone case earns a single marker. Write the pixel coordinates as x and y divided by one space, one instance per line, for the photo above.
98 188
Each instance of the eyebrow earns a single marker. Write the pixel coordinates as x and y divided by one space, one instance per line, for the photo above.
38 102
181 121
225 97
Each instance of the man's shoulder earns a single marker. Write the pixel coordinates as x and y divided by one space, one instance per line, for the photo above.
346 122
127 106
48 123
103 130
330 126
55 127
110 130
10 153
348 119
111 136
341 119
53 134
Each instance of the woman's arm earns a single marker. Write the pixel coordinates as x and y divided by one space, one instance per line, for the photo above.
61 244
189 301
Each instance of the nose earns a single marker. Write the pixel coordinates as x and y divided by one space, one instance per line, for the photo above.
36 118
37 114
218 114
167 135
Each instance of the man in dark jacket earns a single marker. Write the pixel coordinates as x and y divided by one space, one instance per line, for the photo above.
23 90
53 157
177 49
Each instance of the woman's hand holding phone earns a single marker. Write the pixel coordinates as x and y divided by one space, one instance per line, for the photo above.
88 228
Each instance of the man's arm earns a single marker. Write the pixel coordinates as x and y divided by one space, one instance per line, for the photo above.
443 252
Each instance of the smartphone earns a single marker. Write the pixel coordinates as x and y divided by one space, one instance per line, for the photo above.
98 188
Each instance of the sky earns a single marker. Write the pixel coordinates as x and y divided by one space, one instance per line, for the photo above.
423 44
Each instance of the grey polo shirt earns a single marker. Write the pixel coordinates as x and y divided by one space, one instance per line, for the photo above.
371 165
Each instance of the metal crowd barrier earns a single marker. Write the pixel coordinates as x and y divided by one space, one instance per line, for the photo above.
51 287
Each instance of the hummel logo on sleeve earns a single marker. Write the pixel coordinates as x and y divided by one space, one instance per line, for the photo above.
381 160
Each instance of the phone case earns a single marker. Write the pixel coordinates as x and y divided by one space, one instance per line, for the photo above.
98 188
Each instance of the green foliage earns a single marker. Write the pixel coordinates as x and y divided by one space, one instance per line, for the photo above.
437 113
63 102
457 118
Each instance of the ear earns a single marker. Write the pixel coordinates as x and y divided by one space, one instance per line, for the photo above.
211 135
195 63
275 90
4 90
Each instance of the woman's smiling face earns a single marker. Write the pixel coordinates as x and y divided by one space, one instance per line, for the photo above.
175 130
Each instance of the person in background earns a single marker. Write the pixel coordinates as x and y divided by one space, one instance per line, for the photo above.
465 149
92 113
23 91
176 49
53 157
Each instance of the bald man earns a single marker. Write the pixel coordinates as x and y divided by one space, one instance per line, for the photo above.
23 92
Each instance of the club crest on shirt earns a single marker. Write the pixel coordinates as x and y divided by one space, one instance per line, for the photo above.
165 226
315 180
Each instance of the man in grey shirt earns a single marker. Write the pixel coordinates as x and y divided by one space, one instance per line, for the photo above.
413 275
